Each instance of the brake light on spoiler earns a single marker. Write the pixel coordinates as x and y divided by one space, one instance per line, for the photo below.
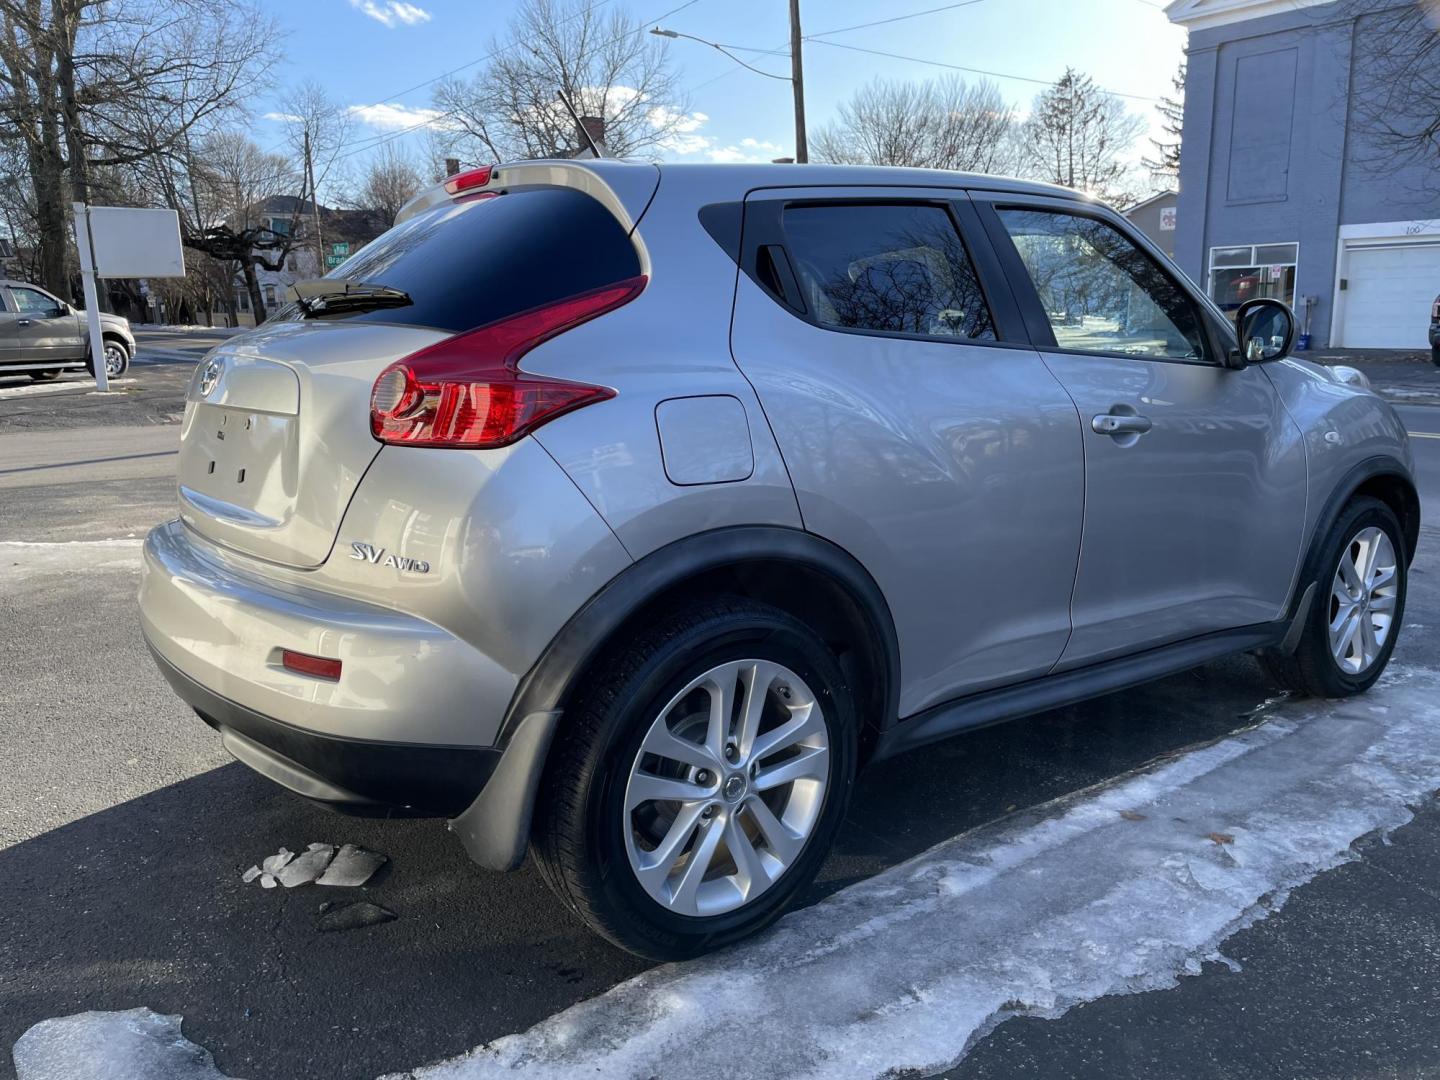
469 392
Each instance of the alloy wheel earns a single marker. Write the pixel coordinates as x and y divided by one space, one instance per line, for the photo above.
115 358
1362 600
726 788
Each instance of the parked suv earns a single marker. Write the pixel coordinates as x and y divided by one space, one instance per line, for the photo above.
41 335
622 512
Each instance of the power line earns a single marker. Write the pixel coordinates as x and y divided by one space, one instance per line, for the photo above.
893 19
971 70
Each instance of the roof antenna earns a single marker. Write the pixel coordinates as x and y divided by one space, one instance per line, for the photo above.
594 146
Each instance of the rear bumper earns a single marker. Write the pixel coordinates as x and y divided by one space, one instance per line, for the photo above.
353 775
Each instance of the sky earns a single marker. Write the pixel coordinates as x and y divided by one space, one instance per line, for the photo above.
370 54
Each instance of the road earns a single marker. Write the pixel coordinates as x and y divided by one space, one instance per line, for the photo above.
124 829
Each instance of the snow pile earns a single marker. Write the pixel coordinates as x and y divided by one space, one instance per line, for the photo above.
1119 889
1115 890
318 863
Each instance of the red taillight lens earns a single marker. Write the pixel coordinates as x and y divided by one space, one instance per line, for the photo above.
468 390
470 178
304 664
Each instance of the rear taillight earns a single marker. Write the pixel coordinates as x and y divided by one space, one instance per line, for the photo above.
468 390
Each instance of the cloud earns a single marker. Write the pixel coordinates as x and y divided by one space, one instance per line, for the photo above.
684 130
393 117
391 13
284 118
746 150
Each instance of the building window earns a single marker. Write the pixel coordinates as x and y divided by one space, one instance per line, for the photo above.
242 300
1243 273
270 295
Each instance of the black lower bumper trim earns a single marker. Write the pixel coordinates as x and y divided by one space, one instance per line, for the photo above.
355 775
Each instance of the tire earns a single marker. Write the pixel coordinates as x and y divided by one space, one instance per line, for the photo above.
590 842
44 376
1435 355
117 359
1315 669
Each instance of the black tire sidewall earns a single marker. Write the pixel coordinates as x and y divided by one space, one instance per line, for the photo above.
1361 514
761 634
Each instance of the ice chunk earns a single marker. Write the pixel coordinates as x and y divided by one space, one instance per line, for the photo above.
251 874
133 1045
354 916
273 864
267 881
307 867
352 866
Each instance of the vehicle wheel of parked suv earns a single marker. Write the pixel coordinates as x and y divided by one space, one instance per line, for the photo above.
699 779
44 376
1359 604
1435 356
117 359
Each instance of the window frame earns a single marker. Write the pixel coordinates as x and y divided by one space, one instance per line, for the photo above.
1218 346
763 227
1210 266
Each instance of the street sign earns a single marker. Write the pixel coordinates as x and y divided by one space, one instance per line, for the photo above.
333 261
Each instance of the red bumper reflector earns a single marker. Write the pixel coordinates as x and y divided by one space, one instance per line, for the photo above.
304 664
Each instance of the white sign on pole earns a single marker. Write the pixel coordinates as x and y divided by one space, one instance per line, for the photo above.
122 242
131 243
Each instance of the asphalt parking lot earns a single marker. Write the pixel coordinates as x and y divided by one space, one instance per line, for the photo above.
125 828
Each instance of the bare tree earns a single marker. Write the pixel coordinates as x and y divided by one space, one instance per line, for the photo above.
602 60
89 88
234 180
1077 135
319 130
945 123
1395 95
1166 162
390 181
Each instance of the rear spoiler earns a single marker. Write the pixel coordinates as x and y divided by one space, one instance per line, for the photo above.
622 187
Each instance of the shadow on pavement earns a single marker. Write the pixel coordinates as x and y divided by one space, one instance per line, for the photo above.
142 904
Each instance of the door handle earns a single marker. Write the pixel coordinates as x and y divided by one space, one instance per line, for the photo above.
23 322
1120 424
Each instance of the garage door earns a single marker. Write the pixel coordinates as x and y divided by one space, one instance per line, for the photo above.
1387 302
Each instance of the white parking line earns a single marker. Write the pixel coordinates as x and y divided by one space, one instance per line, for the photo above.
1123 888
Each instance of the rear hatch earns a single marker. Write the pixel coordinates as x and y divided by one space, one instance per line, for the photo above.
277 431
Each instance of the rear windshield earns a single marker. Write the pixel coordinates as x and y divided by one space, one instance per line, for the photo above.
468 263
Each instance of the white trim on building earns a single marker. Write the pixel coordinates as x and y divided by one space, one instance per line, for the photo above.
1402 238
1204 14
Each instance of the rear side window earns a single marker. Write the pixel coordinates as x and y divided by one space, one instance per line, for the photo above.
470 262
897 269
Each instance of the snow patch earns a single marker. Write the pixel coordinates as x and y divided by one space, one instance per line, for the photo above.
1115 890
71 555
134 1045
1122 888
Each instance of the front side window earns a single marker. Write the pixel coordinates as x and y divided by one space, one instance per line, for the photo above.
34 302
1101 293
898 269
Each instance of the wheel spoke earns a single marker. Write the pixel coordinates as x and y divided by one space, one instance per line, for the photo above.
655 866
662 742
750 871
647 787
1369 646
723 682
1384 577
1346 612
804 721
1350 574
756 678
783 843
701 855
1347 638
1369 547
811 764
1383 604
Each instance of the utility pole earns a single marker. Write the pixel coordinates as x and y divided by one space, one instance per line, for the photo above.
797 80
314 208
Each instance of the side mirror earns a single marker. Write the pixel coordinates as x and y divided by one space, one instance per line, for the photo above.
1266 329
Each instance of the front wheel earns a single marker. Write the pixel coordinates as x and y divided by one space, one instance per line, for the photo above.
1353 622
699 780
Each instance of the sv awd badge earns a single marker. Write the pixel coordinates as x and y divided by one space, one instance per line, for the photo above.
376 557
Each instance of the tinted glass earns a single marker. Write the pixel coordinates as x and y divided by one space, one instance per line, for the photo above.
1101 293
34 302
895 269
471 262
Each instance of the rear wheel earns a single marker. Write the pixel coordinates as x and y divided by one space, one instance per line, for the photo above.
700 780
1352 624
44 376
117 359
